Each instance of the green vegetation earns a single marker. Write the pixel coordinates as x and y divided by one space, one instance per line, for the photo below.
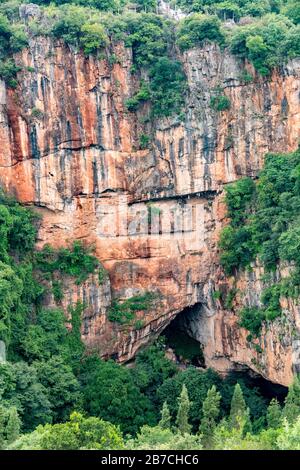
264 224
124 312
220 102
211 412
52 394
234 431
197 29
142 96
77 262
12 39
266 42
267 38
144 141
79 433
182 419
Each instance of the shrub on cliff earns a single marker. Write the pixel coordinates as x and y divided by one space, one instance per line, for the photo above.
148 36
198 28
262 41
93 37
12 39
167 87
231 9
76 26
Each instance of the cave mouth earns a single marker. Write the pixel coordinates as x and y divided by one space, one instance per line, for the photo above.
181 347
186 351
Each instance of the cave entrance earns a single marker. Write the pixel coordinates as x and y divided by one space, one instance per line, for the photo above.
252 380
181 347
186 351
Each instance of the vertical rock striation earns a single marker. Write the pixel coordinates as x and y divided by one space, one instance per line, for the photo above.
70 147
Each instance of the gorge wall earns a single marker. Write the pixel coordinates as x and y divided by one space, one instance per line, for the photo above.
70 148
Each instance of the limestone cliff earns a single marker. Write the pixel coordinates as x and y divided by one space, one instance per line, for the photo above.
70 147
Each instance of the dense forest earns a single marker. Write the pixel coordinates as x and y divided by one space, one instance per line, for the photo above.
53 395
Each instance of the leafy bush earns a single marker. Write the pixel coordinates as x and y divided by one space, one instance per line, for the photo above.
252 318
263 42
124 312
292 10
144 141
147 35
75 26
77 262
196 29
220 103
140 97
76 434
167 87
12 39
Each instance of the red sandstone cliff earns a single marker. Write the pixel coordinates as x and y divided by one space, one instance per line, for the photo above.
69 147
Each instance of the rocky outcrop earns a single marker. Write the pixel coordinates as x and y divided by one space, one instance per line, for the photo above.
275 354
70 147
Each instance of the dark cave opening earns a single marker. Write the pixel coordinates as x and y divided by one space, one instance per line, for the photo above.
186 351
265 387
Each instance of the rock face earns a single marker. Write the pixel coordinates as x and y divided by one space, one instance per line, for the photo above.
70 147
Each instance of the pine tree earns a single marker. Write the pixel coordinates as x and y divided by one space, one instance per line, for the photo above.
292 402
13 425
211 411
182 420
238 409
247 424
165 422
274 414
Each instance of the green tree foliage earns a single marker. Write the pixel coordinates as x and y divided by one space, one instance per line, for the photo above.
291 408
21 388
165 422
197 383
147 35
292 10
109 392
156 438
143 95
13 425
253 396
238 409
220 103
262 42
10 424
151 370
12 39
231 9
288 439
274 414
211 411
78 433
182 419
167 87
77 262
198 28
63 389
124 312
264 225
